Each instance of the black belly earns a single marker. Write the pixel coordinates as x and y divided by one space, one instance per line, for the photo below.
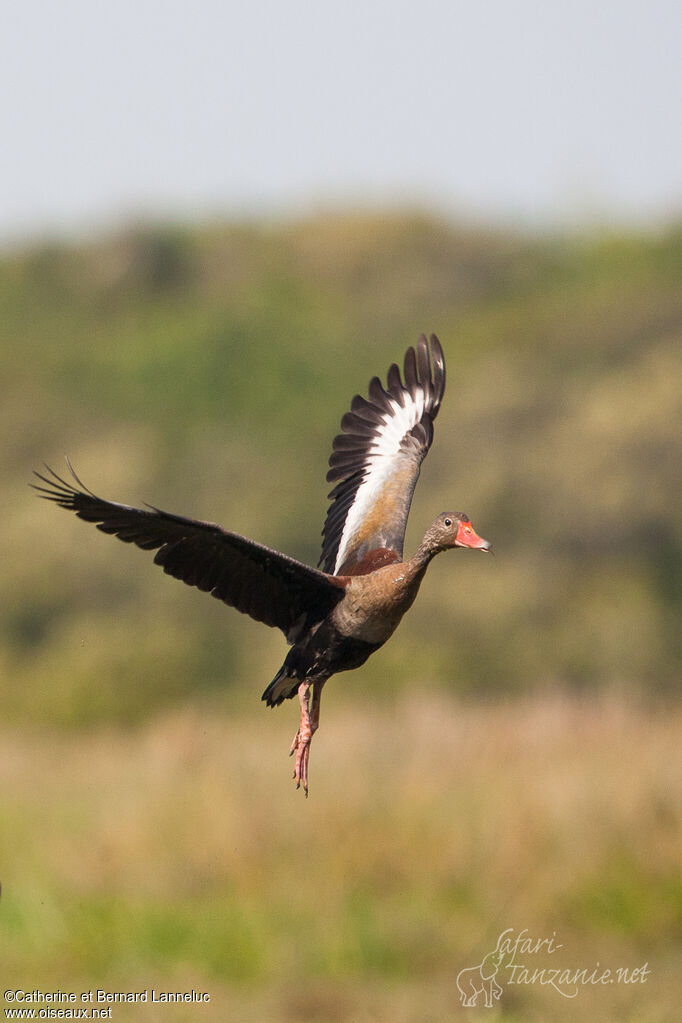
327 652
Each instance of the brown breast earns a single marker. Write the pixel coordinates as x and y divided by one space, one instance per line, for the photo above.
376 601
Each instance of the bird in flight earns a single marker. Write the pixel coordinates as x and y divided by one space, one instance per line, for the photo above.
334 616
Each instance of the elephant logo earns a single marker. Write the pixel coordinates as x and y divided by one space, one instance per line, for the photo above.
473 981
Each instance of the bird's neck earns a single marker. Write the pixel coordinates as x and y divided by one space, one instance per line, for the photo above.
423 555
414 568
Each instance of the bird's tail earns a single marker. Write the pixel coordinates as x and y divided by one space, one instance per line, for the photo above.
283 687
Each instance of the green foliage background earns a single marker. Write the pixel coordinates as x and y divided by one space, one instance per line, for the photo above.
206 371
509 759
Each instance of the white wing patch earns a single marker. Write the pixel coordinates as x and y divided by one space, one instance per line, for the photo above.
376 459
384 451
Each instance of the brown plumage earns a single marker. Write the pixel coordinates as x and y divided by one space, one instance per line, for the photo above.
336 617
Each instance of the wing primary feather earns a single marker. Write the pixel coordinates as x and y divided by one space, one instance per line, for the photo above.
365 410
379 395
254 579
411 378
376 457
438 361
424 366
395 385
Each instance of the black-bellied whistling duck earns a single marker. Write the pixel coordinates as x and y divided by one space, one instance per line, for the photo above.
337 617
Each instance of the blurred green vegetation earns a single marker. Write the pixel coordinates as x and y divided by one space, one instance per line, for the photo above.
509 759
206 371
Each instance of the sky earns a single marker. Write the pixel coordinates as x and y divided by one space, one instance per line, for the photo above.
530 112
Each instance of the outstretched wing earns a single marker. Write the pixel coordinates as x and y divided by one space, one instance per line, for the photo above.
256 580
376 460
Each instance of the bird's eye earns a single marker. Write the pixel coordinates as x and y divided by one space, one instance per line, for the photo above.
448 522
467 529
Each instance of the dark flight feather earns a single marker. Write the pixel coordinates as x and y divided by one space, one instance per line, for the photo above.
376 458
269 586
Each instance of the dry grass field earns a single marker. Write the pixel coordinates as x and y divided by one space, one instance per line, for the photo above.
178 856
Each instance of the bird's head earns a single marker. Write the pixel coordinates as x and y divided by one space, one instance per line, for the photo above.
454 529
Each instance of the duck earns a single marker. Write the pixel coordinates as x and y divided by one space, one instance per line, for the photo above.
335 616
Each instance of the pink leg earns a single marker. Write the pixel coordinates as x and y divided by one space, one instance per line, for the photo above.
310 720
